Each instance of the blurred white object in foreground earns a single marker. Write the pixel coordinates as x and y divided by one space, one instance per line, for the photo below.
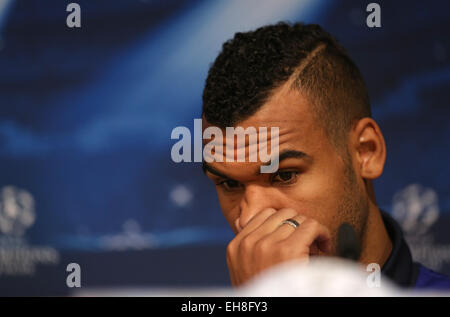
324 276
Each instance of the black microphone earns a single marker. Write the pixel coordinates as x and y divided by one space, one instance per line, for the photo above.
348 245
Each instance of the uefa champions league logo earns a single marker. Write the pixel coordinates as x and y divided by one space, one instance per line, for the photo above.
16 211
416 208
17 214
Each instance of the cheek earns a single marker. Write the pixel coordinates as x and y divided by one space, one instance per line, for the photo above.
317 196
230 209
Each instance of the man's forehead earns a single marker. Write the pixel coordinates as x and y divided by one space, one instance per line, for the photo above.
285 108
239 170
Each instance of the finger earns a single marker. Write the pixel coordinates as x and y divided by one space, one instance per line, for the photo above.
256 221
232 249
231 269
311 231
271 224
285 230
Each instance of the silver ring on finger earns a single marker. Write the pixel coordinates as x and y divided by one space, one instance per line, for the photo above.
292 222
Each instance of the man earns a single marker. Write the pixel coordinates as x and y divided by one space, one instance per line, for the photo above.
299 79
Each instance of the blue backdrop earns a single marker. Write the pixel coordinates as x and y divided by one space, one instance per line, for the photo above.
86 115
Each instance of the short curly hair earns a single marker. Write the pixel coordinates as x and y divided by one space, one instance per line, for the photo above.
253 64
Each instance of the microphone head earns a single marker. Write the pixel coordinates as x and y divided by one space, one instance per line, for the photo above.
348 245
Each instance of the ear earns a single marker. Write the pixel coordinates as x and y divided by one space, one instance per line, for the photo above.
370 148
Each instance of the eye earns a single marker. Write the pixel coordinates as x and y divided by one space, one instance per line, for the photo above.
285 177
230 184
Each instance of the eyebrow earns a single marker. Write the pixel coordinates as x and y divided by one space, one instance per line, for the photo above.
207 168
283 156
291 154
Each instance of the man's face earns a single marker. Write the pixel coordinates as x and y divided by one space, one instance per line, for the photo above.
315 180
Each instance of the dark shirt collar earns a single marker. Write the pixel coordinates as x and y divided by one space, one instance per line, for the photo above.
399 267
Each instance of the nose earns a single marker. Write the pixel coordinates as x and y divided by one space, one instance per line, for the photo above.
256 199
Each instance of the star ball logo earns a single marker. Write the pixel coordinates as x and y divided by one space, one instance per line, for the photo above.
416 208
17 214
16 211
